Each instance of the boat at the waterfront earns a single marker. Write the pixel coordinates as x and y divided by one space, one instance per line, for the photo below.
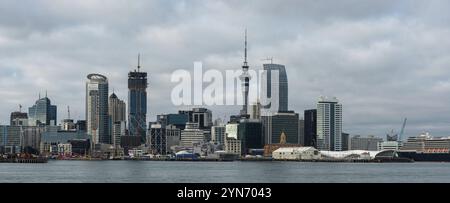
425 156
25 160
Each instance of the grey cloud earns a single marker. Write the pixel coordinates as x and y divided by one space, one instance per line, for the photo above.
384 60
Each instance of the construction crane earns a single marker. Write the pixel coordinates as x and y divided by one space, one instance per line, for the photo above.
402 130
396 137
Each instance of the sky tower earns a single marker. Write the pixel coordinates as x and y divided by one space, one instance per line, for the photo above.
245 78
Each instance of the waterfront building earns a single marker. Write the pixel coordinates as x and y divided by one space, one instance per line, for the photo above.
310 134
19 118
301 132
270 148
345 141
233 146
31 138
218 134
369 143
65 149
329 124
42 113
173 135
157 141
137 102
250 133
296 153
276 123
389 145
193 134
128 142
51 137
10 138
97 109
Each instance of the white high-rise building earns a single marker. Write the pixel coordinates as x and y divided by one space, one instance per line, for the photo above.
329 124
97 109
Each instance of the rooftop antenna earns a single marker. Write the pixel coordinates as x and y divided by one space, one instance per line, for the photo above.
20 108
245 49
268 59
139 62
68 112
45 93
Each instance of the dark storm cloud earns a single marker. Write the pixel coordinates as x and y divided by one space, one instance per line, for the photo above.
384 60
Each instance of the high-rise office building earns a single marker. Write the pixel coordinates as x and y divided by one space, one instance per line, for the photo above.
345 141
18 118
137 102
274 99
116 108
10 139
276 123
178 120
310 119
118 131
255 111
97 109
329 124
250 133
42 113
173 136
201 116
157 142
218 134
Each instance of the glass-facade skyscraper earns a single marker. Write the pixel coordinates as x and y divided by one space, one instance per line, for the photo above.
310 134
42 113
97 109
137 103
277 96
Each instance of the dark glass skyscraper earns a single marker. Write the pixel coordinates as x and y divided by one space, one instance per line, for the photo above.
310 117
137 103
275 124
42 113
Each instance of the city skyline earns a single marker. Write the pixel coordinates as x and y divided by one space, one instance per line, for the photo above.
390 65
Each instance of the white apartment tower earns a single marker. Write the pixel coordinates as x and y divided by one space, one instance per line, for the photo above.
329 124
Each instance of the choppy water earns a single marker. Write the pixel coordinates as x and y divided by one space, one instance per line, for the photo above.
235 172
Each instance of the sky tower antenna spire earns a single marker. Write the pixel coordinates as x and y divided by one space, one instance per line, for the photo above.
245 48
139 62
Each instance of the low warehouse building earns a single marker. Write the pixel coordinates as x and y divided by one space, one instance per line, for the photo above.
296 153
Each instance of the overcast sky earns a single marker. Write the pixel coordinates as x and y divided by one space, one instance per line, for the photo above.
384 60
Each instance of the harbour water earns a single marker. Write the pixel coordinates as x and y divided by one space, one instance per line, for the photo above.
219 172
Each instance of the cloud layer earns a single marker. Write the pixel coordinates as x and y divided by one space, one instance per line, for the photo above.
384 60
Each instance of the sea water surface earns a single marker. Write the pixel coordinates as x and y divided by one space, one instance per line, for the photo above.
221 172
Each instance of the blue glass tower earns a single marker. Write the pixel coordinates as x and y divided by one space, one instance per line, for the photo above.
137 102
42 113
